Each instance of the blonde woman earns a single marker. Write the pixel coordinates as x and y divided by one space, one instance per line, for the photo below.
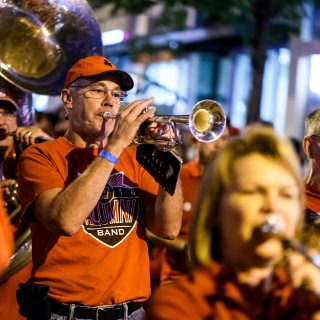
250 200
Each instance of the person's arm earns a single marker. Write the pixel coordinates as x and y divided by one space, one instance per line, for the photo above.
178 244
29 135
63 211
164 220
71 206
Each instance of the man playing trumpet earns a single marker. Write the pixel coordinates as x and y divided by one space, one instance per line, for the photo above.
89 202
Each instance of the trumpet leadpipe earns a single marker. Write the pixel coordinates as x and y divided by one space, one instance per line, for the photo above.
170 118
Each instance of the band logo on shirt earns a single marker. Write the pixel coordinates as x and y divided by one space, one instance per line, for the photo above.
116 213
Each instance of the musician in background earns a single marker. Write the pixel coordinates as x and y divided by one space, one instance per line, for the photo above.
10 133
250 200
311 148
89 201
12 138
169 258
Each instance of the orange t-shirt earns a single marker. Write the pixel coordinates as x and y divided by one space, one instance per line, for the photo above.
106 261
213 293
190 176
6 236
312 205
312 199
173 262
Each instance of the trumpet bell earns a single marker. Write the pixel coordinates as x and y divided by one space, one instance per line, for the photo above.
207 121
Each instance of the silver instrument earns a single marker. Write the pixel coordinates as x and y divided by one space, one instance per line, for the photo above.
206 122
40 41
273 227
23 247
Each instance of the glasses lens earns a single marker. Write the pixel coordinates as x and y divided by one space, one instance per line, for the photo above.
7 115
94 93
99 93
118 95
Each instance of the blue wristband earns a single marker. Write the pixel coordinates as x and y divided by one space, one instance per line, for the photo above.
110 157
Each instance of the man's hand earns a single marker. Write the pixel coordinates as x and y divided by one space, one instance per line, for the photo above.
303 273
127 124
7 183
28 135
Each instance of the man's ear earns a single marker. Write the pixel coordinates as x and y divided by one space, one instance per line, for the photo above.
66 96
307 147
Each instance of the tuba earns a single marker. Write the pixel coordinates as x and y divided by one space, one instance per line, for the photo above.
22 235
39 41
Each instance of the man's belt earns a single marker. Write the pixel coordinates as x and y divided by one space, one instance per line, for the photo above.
99 313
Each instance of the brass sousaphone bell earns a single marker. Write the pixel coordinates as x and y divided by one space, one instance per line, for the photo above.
40 40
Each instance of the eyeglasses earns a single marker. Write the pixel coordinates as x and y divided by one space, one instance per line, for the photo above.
8 115
99 93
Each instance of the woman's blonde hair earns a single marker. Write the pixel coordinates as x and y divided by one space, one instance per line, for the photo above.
204 234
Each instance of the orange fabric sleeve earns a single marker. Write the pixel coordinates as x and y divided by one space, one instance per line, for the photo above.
214 293
6 237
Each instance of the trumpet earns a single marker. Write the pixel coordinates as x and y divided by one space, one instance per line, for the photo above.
206 122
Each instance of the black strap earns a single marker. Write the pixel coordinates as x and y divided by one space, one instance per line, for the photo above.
164 166
33 301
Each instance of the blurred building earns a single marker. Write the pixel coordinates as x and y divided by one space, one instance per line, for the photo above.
215 65
180 68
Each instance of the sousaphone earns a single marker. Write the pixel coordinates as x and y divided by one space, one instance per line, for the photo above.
39 41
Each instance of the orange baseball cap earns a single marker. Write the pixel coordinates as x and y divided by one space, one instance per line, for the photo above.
8 100
97 66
